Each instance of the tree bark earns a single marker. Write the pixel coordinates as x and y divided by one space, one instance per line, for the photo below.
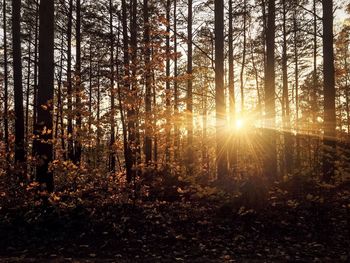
45 94
148 85
78 88
189 103
221 156
270 158
6 99
329 91
112 113
17 82
69 84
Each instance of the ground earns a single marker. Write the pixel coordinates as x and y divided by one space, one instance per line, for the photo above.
303 225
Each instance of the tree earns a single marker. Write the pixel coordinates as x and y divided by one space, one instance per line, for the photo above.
231 79
18 88
270 160
78 90
220 106
44 105
112 139
329 91
189 103
148 83
69 82
6 99
288 151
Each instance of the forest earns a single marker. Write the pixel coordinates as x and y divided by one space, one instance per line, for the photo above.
174 131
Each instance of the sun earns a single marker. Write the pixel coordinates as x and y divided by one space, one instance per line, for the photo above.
239 124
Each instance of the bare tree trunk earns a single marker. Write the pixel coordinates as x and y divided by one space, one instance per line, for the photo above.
26 138
59 114
243 53
270 158
148 84
78 88
329 91
232 150
112 113
128 152
35 88
167 91
296 79
20 155
69 83
132 114
6 99
176 95
98 110
45 94
314 77
221 153
288 151
189 103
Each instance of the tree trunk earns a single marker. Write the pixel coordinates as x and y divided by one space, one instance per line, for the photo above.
231 79
329 91
243 54
221 156
189 103
69 84
288 151
35 88
28 91
270 159
148 84
167 86
78 88
17 82
45 94
176 95
6 99
128 152
296 79
112 113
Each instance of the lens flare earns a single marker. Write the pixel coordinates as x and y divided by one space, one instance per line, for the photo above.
239 124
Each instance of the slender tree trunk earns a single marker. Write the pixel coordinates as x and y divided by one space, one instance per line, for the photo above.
243 53
221 156
154 92
78 89
329 91
128 153
132 115
148 84
98 110
347 106
69 83
314 77
35 88
270 158
167 91
176 95
45 94
59 114
18 87
189 103
296 79
90 90
112 113
28 91
288 151
6 99
231 79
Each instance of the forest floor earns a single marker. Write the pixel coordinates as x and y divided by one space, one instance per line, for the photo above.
303 225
